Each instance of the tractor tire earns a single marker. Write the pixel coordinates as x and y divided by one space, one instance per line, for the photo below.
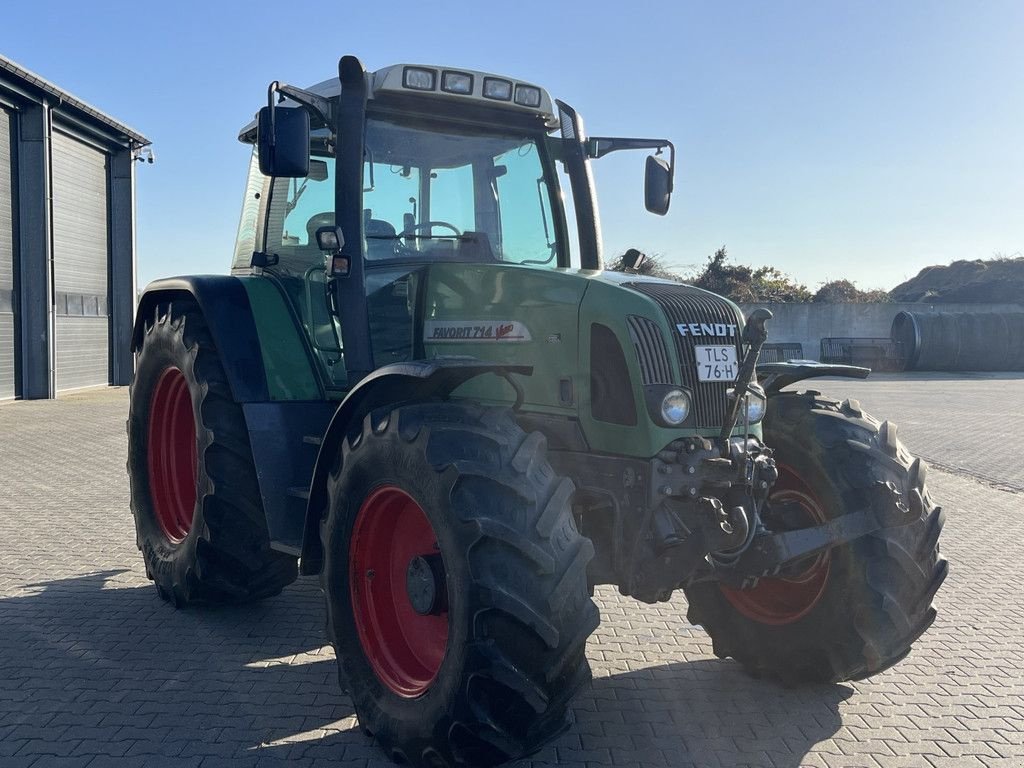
199 518
455 584
854 610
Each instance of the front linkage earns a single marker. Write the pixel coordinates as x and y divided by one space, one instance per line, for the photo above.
702 518
704 521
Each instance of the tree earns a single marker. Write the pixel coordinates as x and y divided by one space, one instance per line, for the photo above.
744 284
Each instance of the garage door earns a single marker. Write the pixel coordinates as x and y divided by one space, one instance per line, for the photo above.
80 264
6 258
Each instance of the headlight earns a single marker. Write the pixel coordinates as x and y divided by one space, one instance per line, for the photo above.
675 407
753 407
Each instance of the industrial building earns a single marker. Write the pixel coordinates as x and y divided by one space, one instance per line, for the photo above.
67 240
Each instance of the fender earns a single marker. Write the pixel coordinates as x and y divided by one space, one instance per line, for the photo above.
225 306
390 384
774 376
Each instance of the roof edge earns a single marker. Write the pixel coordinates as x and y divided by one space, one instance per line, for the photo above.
42 84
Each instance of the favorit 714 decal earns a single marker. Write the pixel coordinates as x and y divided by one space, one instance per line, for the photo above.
475 330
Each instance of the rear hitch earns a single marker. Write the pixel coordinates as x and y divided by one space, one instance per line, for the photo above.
769 552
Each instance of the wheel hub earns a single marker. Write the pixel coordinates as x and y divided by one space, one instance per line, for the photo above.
424 583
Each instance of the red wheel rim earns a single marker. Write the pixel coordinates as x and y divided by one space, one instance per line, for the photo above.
405 648
172 455
790 596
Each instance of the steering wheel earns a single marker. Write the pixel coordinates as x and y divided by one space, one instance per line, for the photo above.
427 225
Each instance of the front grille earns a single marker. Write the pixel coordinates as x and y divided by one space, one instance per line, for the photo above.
651 352
686 305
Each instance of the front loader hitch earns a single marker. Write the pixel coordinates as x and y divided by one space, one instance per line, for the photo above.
769 552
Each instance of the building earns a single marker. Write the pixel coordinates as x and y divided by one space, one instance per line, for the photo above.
67 240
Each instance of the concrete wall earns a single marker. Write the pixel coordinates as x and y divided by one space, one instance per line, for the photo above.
809 323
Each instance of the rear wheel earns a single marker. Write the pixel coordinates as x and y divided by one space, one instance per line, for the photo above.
198 514
455 583
851 611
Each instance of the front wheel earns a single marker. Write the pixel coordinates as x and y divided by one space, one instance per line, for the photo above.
851 611
455 583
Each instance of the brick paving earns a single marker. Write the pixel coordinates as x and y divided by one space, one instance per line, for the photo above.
96 671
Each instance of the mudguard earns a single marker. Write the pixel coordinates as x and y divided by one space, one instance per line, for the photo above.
388 385
774 376
225 305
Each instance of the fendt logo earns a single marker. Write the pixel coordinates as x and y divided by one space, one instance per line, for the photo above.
706 329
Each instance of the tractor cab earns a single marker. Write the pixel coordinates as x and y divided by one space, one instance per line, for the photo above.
404 168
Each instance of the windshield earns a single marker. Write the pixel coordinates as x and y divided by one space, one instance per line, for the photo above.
446 194
428 195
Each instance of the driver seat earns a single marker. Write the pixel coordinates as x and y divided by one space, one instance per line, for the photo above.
381 237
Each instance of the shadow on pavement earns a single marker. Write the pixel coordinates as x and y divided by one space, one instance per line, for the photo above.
705 712
86 660
93 668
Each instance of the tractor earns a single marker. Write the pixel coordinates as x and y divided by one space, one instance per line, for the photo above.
418 385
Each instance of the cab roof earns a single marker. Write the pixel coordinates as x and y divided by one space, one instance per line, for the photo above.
394 80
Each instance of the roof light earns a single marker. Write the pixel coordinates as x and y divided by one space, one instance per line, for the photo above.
528 96
495 88
457 82
419 79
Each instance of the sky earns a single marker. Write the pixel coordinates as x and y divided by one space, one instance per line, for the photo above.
859 140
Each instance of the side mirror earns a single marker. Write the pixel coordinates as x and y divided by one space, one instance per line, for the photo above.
282 135
657 185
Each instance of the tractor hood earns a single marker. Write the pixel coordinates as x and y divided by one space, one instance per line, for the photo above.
592 337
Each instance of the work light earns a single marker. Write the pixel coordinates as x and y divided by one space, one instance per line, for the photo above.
527 96
457 82
495 88
419 79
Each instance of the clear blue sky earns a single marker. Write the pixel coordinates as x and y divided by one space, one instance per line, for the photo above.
832 139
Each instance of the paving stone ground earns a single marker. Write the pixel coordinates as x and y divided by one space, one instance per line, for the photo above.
96 671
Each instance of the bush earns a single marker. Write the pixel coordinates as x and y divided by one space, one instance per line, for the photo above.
746 285
845 292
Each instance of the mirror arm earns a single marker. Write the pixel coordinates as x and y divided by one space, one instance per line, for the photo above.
599 146
320 106
271 90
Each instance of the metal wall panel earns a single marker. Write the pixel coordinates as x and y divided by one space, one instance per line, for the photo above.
81 258
82 344
6 256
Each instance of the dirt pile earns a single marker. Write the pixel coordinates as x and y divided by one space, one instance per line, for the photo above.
994 281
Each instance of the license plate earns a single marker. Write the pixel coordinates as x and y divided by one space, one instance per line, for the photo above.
716 363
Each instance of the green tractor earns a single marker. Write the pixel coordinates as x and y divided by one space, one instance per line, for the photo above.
418 385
